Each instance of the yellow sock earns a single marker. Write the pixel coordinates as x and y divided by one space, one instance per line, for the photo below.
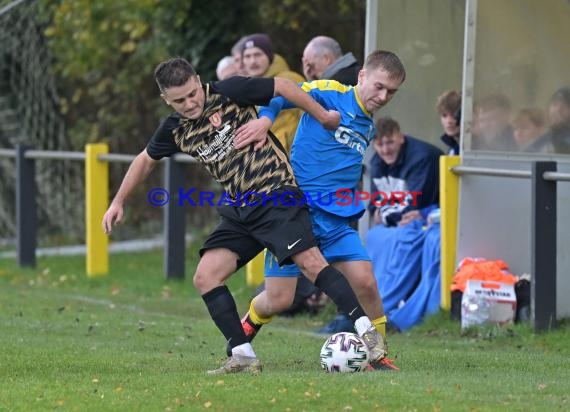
380 325
255 318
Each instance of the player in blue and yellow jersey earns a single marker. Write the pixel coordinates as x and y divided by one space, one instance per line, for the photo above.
327 165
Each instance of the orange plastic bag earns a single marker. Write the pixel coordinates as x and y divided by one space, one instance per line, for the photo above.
481 269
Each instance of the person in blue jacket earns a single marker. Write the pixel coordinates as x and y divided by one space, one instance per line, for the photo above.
404 176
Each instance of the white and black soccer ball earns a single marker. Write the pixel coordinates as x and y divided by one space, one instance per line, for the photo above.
344 352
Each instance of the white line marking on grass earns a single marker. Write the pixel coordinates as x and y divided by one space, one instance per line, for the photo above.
139 310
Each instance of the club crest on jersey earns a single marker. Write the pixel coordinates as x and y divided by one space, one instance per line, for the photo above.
216 119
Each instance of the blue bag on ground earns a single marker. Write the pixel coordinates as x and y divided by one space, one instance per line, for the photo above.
396 255
426 298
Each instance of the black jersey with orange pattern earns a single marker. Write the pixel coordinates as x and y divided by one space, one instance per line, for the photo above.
209 139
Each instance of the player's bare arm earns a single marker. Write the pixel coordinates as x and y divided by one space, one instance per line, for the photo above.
139 169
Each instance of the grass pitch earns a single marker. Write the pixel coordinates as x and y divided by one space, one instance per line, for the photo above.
133 341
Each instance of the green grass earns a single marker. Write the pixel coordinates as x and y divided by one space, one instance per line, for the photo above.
132 341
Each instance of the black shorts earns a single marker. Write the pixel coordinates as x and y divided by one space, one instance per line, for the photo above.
247 230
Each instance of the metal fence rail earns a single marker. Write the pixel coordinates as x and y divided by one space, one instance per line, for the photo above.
69 155
481 171
96 189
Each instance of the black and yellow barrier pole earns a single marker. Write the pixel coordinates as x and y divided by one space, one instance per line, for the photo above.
96 203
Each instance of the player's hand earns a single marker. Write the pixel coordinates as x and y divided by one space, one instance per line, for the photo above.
331 120
113 216
253 132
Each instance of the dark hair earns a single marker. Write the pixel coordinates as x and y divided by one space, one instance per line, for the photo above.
387 61
386 126
561 95
173 72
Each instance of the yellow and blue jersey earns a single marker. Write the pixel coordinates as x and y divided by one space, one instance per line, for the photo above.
328 163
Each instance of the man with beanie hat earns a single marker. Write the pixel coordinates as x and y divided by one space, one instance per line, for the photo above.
263 43
259 60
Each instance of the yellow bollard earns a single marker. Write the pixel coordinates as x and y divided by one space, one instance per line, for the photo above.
449 204
254 270
96 203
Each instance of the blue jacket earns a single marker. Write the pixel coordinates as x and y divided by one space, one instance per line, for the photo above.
415 170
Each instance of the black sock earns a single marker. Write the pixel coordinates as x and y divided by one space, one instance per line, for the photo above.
222 308
335 285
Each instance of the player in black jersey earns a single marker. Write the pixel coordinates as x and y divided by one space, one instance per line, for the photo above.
207 117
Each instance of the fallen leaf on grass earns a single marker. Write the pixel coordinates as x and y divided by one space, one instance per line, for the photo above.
166 293
207 404
542 386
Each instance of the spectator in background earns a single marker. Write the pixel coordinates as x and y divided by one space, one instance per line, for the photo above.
528 125
449 110
494 128
226 68
557 138
559 116
396 244
402 164
259 60
323 59
236 54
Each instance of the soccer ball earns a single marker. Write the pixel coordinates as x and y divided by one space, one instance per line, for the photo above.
344 352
